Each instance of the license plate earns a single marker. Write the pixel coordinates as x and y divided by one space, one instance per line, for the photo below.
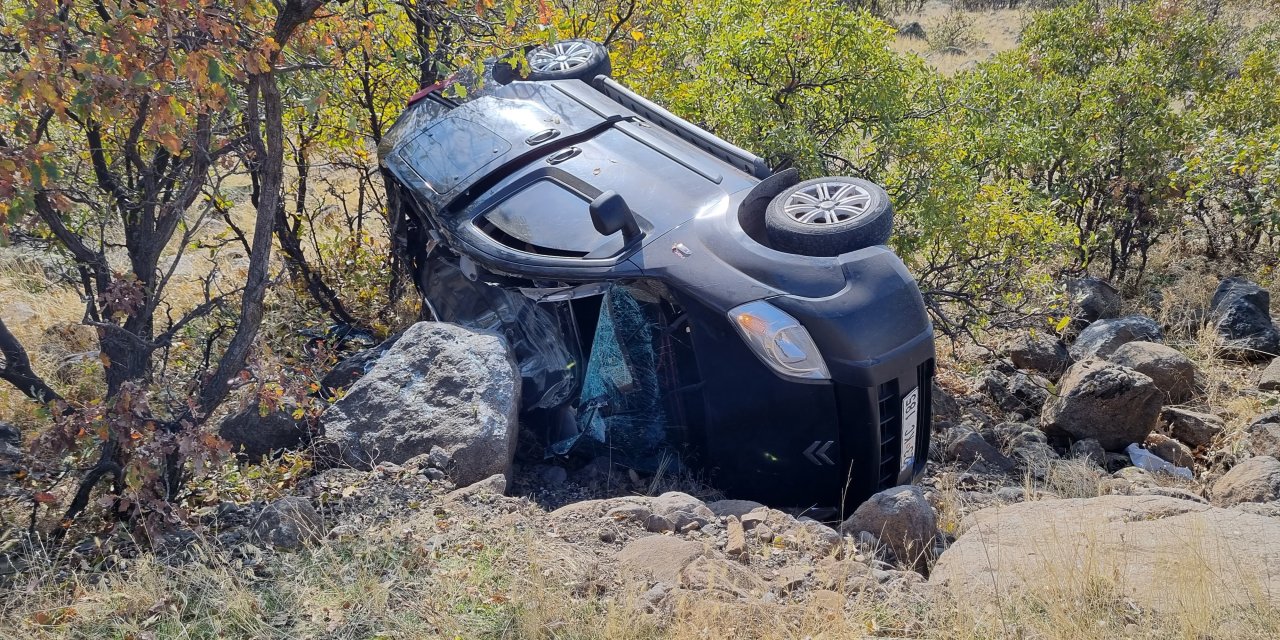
910 406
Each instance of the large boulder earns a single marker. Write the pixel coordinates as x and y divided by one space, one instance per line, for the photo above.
1193 428
1112 404
253 434
1254 480
1103 337
1040 352
1173 373
442 390
1241 315
1092 299
1061 550
902 519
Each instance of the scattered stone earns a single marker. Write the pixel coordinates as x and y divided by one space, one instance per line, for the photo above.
439 386
847 575
1170 450
812 537
714 573
1241 314
1040 352
254 435
1113 404
791 577
913 30
968 447
289 523
1195 429
945 406
10 434
1029 547
1173 373
1015 392
344 532
1092 299
630 511
737 544
826 601
1264 435
554 477
659 557
1270 379
754 518
1254 480
764 533
1103 337
495 484
1089 449
682 510
903 521
738 508
17 313
654 523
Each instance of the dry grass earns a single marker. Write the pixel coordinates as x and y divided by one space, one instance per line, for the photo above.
515 583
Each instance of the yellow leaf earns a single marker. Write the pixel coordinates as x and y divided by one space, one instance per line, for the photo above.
636 35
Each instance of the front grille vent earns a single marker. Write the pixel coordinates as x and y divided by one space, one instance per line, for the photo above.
890 408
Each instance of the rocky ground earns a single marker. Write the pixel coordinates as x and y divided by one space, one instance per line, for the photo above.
1077 488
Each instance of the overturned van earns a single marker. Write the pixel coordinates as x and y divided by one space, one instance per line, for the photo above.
664 291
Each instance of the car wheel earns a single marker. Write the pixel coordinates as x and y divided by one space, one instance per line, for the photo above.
828 217
575 59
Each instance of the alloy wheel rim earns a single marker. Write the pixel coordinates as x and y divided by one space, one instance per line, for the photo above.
561 56
828 203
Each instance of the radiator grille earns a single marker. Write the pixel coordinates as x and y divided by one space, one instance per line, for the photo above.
890 412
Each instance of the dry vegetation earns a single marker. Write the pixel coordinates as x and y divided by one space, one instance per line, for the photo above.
509 578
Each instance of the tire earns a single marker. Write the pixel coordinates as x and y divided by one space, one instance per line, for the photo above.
829 216
574 59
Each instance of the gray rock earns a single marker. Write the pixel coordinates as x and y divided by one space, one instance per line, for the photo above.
10 434
682 510
1103 337
254 435
289 523
913 30
970 448
1270 379
902 519
738 508
1264 435
1254 480
1194 429
1173 373
1092 299
1170 450
16 313
1015 392
1040 352
1113 404
442 386
495 484
1142 544
1241 315
1091 450
659 558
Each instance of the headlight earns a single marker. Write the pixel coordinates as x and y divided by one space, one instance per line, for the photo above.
779 340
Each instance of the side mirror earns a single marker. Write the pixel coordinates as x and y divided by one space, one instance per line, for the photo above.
610 214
